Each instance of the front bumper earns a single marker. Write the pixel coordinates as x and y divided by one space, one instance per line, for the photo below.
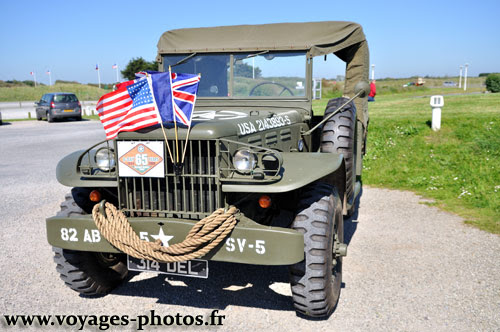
249 242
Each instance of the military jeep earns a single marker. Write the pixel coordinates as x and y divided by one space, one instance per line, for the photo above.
254 143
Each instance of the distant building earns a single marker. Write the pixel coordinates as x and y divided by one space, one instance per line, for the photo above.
340 78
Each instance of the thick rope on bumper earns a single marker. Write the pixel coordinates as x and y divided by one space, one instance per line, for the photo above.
203 237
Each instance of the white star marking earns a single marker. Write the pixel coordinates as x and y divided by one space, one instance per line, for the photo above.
163 238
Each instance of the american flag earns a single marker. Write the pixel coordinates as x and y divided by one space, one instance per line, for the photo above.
128 109
114 66
31 73
47 72
97 66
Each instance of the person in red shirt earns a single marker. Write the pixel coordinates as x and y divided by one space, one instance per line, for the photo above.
373 91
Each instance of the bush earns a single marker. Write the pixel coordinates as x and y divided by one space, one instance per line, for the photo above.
493 82
64 82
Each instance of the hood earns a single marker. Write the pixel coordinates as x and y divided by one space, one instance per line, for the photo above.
213 124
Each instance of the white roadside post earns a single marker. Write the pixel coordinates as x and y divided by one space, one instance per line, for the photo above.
436 103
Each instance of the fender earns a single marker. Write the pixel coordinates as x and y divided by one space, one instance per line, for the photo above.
299 169
68 174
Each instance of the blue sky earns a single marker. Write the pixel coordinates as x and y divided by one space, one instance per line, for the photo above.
406 38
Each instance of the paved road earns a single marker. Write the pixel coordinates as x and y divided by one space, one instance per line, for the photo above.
409 267
25 109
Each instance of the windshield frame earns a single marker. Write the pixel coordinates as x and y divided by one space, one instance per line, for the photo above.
232 55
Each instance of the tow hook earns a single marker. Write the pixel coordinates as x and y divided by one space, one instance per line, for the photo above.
102 209
341 249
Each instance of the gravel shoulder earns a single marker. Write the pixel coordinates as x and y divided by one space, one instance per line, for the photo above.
410 267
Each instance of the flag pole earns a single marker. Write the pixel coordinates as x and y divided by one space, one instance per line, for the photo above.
173 114
98 75
189 130
162 128
185 145
166 141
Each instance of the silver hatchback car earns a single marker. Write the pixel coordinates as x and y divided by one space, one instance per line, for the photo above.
58 105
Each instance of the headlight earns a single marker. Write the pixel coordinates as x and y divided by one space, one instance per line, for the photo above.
105 159
244 161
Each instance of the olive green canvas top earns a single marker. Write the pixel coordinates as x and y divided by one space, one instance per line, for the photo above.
319 37
345 39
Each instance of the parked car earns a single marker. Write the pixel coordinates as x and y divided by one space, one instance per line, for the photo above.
449 83
58 105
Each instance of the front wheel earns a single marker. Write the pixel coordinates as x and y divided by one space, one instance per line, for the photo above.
89 273
316 281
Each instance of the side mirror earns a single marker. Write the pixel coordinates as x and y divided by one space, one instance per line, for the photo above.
362 88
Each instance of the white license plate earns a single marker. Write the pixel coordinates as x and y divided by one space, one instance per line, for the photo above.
196 268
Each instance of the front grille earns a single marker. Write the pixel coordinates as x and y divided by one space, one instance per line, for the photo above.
193 194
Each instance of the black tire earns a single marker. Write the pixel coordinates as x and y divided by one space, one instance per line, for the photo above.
89 273
316 281
50 117
338 136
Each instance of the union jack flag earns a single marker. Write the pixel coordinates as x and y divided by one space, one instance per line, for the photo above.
184 89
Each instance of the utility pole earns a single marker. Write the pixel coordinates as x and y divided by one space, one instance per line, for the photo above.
253 68
373 72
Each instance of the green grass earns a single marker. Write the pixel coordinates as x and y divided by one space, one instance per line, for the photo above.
432 86
458 166
27 93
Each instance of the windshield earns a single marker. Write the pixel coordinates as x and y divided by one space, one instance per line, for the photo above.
264 74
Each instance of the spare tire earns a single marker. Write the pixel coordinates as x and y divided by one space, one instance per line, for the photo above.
338 136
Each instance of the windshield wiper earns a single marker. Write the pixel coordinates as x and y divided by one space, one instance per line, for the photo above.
255 54
184 60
